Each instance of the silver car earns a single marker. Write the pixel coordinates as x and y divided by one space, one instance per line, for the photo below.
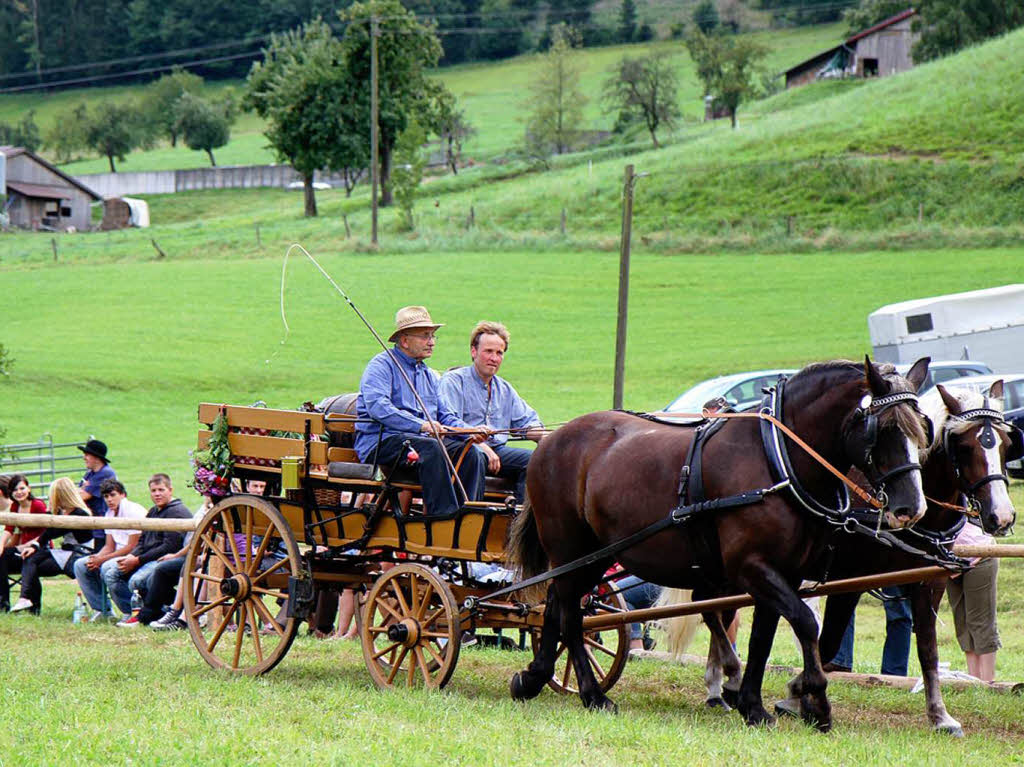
740 390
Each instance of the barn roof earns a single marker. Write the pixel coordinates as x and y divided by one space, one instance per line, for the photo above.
15 151
854 38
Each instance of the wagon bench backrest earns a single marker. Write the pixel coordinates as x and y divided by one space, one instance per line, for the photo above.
251 428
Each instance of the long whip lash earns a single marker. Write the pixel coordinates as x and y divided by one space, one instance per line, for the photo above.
435 433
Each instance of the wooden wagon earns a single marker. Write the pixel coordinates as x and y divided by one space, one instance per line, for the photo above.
325 521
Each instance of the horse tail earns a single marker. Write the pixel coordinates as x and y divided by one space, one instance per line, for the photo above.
680 631
524 552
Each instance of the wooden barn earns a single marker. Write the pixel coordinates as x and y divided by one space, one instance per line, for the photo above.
39 196
878 51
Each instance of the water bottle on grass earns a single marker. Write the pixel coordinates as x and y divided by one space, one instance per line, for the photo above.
78 615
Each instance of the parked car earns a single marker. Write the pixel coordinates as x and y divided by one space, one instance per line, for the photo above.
940 371
741 390
1013 402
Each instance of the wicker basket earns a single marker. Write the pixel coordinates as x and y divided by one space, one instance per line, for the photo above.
327 496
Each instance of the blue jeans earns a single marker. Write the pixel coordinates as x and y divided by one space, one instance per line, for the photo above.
121 585
92 586
844 657
899 623
638 595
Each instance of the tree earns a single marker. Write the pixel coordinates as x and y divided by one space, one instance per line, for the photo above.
67 134
114 130
556 101
406 50
946 26
727 67
160 98
645 88
869 13
627 21
408 171
25 133
705 16
203 125
297 89
450 124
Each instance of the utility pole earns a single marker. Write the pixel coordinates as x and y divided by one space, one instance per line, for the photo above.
374 128
620 330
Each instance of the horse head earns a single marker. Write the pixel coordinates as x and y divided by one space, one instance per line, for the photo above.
978 442
884 436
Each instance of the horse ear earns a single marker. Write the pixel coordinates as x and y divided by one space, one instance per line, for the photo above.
876 384
918 373
995 391
952 403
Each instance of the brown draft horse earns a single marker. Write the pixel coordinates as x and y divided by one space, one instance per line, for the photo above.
605 476
960 463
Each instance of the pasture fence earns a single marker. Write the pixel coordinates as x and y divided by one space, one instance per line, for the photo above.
41 461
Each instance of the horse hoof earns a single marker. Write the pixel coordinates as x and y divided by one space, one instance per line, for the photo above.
731 697
760 718
952 730
519 689
602 704
787 708
717 703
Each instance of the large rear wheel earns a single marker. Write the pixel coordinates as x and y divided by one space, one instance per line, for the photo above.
236 573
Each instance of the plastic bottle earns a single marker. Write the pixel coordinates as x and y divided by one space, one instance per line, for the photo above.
136 603
78 615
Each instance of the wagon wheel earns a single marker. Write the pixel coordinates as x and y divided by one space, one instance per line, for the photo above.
237 569
607 651
410 628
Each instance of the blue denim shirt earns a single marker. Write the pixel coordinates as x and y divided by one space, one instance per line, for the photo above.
384 397
91 483
497 407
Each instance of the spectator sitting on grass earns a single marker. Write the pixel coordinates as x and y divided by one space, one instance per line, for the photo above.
40 560
117 543
131 572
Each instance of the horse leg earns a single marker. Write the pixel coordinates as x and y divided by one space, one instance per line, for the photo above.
722 658
762 634
776 597
925 599
838 609
528 683
570 594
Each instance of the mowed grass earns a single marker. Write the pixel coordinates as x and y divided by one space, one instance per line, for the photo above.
124 350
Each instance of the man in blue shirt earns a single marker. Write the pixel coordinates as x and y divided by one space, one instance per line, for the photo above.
391 414
98 471
478 395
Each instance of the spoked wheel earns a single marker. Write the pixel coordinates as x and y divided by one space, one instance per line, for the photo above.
607 651
410 628
237 571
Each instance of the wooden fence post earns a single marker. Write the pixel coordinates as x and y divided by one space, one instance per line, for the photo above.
53 243
561 226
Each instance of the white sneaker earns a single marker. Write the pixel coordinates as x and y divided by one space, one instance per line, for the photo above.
22 604
165 621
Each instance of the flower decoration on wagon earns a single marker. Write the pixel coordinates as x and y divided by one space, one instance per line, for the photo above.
211 467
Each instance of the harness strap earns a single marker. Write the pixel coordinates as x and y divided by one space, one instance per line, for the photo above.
678 515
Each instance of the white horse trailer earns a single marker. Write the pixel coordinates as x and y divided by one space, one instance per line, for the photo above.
985 325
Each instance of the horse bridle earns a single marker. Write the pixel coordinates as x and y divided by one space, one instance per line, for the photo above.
870 408
988 417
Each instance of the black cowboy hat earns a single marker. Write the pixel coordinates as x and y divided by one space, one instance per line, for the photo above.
96 448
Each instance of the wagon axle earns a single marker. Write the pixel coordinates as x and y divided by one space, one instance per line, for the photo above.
238 586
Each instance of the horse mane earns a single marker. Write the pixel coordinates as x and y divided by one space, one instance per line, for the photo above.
933 407
903 416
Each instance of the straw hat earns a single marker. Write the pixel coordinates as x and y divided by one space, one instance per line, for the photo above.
410 317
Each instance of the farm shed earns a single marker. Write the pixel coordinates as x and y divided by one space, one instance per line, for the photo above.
39 196
878 51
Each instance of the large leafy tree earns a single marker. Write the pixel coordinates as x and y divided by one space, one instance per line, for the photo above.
870 12
647 89
727 67
161 96
114 130
406 49
203 125
946 26
555 101
298 89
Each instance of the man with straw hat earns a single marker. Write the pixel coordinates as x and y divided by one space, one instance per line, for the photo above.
402 417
